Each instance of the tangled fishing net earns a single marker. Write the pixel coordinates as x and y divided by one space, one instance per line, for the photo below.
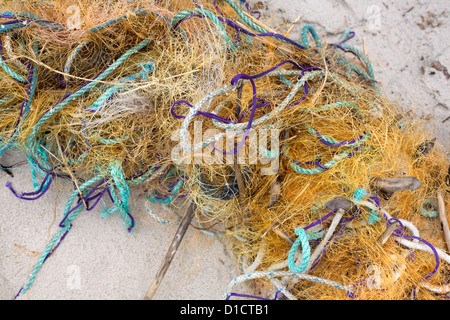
320 186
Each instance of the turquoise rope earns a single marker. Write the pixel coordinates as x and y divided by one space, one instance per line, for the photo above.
429 213
185 13
308 28
60 233
248 21
318 170
302 241
360 194
113 89
154 198
11 72
89 86
124 191
6 28
42 258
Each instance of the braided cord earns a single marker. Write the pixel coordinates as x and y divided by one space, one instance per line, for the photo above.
302 241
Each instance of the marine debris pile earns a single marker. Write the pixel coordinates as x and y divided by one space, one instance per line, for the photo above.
321 187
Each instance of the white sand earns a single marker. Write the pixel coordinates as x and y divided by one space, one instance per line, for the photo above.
99 259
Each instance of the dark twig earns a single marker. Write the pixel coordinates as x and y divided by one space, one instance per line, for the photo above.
181 231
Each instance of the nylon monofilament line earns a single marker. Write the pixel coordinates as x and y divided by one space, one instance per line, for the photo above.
167 96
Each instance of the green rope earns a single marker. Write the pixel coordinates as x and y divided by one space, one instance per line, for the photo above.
113 89
30 144
61 232
124 191
155 198
11 72
337 158
302 241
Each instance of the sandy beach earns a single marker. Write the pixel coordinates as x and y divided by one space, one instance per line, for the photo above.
408 45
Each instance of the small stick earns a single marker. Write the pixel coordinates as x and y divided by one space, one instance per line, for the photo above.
443 217
258 22
181 231
387 233
292 26
364 47
284 236
6 170
276 220
317 252
429 87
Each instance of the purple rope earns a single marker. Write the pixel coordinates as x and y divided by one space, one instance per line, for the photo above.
377 201
64 84
245 31
12 22
243 76
5 16
22 20
79 203
40 192
436 255
234 81
344 142
206 114
252 114
350 36
325 217
254 99
266 34
328 215
352 218
399 233
60 175
130 228
98 196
